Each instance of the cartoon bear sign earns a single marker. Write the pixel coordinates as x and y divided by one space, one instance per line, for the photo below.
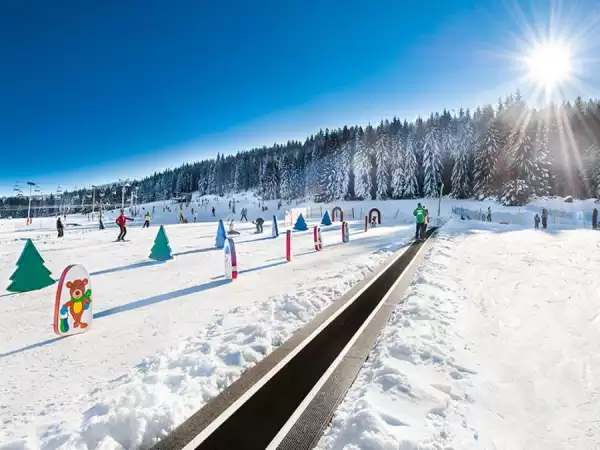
73 306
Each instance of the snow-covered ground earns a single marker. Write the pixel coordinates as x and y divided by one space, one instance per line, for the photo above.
166 337
494 347
574 215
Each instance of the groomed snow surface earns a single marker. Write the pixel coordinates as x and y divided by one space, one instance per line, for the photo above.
166 337
495 346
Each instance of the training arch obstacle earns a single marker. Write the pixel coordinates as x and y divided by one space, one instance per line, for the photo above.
375 211
337 209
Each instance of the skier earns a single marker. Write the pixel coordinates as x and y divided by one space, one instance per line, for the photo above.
536 220
100 222
489 214
122 222
259 225
59 227
544 218
595 219
232 228
213 211
425 223
244 215
229 204
146 220
373 221
419 213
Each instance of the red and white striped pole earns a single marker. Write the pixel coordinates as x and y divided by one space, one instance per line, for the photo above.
317 238
345 232
288 245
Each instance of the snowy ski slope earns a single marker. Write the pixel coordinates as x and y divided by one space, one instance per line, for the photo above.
166 337
494 347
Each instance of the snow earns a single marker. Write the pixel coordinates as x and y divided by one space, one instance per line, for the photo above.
494 347
166 337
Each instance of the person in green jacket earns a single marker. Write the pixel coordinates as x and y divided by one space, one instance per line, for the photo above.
419 213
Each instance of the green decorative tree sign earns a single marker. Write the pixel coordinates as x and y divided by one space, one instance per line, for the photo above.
161 251
30 274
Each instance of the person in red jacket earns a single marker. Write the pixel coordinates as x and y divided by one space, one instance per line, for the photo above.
122 222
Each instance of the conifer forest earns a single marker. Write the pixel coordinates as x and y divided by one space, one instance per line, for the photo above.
508 151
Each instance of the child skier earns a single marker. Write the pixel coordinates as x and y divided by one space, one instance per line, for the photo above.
544 218
536 220
122 222
146 220
59 227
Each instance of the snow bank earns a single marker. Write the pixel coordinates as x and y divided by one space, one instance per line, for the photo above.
495 346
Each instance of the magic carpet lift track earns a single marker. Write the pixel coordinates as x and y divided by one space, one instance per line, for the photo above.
287 400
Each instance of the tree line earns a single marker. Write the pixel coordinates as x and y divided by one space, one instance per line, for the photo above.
508 151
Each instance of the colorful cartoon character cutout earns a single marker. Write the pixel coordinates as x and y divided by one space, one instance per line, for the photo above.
80 301
73 307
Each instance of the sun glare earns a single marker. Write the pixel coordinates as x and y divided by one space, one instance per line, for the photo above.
549 64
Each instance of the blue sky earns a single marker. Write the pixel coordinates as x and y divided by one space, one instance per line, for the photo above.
95 90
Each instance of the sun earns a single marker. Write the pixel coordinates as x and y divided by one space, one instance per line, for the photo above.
549 64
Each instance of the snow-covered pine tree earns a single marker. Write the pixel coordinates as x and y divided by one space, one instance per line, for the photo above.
362 171
328 178
518 187
262 177
432 165
271 180
543 162
179 184
410 187
592 164
346 168
341 173
286 175
398 179
298 171
447 147
461 179
315 169
237 176
486 162
382 161
211 187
